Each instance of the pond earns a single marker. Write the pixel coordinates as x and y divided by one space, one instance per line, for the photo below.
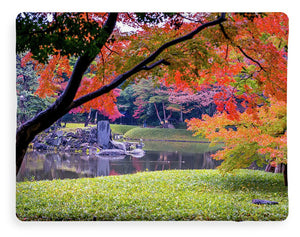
158 156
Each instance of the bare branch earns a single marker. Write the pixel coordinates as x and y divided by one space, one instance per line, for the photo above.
111 49
247 56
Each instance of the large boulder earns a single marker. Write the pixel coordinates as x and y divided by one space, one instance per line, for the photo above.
103 134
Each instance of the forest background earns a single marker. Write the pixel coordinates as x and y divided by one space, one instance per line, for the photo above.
8 117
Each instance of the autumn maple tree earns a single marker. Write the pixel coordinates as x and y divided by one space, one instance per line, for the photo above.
244 52
260 131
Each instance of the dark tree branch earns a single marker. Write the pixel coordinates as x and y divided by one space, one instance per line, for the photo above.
83 63
115 83
27 131
240 48
143 65
247 56
162 61
111 49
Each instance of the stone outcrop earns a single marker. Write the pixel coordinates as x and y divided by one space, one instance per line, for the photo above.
89 140
68 141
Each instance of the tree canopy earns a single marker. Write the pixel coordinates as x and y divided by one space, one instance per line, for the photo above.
246 53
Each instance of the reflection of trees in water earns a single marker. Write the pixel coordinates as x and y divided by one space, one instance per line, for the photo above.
72 165
162 161
208 161
102 167
137 164
178 160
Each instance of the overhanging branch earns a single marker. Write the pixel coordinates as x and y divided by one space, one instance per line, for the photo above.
240 48
143 65
162 61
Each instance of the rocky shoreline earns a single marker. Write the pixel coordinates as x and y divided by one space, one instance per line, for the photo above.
82 140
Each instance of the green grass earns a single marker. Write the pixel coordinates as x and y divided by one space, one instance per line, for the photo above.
162 134
163 195
121 129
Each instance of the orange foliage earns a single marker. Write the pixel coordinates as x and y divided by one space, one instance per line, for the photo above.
247 139
249 58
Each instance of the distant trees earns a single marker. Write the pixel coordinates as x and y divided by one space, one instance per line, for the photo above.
150 95
158 104
29 104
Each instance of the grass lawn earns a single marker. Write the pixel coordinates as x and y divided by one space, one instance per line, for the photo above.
121 129
163 195
162 134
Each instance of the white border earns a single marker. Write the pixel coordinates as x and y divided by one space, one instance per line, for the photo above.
9 223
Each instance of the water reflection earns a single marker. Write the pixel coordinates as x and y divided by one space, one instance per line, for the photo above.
40 166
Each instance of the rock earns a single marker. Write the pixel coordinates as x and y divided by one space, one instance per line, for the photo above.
78 132
57 141
71 134
111 152
103 134
64 141
118 145
84 144
260 201
137 153
110 157
59 133
40 146
171 126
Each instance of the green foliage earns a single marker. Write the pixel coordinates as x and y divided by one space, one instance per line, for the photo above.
125 101
29 104
164 195
45 33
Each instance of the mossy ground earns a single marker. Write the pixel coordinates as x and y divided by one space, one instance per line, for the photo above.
163 195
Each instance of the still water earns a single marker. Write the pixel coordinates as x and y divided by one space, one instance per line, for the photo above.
61 165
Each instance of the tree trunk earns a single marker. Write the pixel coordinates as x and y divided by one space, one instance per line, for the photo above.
89 118
164 111
181 114
157 113
280 168
285 174
169 116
